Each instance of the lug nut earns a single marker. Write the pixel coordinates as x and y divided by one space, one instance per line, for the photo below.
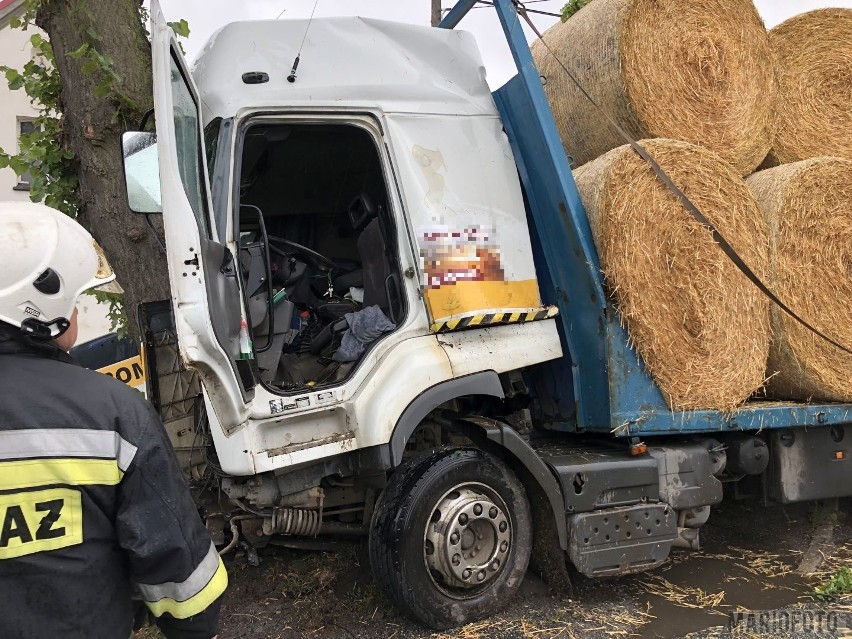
481 575
466 574
463 519
503 526
504 546
477 509
454 538
456 560
492 512
495 564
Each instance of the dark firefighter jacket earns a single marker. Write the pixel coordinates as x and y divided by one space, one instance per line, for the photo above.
94 511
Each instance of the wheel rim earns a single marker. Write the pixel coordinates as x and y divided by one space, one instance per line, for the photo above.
467 540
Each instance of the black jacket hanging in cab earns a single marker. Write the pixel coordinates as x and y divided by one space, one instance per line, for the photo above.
94 510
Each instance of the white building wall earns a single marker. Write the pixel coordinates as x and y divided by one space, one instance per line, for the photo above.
15 52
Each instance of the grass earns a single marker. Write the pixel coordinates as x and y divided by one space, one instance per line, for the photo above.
297 584
838 585
149 632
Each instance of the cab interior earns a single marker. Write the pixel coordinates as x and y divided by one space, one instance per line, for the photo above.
318 254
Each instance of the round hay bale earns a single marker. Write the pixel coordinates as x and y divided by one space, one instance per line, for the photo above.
814 110
702 72
808 206
700 326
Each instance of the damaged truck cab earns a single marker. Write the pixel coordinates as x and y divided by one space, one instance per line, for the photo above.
292 206
384 281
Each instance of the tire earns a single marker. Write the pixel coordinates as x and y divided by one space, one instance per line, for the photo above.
438 551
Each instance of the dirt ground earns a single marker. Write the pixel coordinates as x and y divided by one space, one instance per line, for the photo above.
748 562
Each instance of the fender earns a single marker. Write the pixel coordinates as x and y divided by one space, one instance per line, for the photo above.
508 439
482 383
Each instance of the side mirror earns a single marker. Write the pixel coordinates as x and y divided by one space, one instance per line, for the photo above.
141 171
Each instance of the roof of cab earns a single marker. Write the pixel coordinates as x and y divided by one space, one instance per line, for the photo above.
347 63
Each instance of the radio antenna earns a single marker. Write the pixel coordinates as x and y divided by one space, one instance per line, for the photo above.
292 76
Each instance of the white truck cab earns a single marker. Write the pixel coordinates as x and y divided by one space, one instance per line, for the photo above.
348 256
355 189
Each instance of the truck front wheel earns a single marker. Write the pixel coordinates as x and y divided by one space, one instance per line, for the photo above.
451 537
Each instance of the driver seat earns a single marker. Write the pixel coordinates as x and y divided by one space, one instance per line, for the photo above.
372 248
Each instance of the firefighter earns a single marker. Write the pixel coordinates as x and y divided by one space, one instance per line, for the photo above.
94 510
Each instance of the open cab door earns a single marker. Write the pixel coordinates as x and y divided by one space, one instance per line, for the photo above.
202 271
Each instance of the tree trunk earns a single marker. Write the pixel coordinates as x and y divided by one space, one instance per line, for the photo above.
92 129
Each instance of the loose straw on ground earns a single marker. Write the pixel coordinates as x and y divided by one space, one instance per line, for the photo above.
814 112
808 206
700 326
701 72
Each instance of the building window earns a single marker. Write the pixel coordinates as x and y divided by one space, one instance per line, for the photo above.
25 127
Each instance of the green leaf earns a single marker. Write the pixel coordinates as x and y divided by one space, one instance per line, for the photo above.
104 88
573 7
839 584
4 161
89 66
180 28
79 53
15 22
38 152
94 35
18 165
12 75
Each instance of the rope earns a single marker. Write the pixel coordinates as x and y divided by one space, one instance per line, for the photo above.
680 195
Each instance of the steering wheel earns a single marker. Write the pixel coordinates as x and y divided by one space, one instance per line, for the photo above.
320 262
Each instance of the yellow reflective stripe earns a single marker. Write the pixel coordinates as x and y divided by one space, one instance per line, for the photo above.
31 473
195 604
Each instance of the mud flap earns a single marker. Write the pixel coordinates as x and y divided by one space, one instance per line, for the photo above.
808 464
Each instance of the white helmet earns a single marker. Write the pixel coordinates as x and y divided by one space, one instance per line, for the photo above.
48 261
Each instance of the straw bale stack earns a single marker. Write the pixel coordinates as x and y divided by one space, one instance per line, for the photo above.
702 72
700 326
808 206
814 117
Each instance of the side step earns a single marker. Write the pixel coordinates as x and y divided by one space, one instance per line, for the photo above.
620 541
625 512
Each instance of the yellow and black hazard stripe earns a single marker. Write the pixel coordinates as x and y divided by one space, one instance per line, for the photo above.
492 319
